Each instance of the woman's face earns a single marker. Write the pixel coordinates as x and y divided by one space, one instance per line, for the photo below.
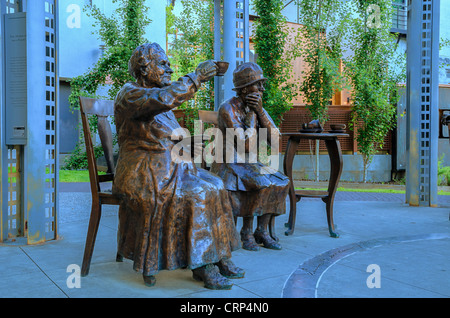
257 87
158 71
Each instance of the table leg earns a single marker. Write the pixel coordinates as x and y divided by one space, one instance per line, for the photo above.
334 151
291 148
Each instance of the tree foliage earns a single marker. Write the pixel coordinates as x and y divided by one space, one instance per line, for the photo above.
321 35
270 39
374 69
121 34
192 42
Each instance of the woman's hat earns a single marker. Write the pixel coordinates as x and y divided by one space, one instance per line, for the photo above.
247 74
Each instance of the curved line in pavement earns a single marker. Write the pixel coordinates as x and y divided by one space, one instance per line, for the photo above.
304 281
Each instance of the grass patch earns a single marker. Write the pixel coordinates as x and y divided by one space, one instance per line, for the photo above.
441 192
74 175
83 176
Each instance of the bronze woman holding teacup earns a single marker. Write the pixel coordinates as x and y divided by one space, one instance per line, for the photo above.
172 215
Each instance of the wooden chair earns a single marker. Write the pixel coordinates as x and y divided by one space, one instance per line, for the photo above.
208 117
211 117
103 109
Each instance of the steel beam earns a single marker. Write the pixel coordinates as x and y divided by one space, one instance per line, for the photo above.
422 109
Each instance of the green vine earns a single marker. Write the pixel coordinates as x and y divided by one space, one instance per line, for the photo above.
321 36
374 70
121 34
192 42
275 60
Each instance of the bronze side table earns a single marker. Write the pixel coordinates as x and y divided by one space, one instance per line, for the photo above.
335 154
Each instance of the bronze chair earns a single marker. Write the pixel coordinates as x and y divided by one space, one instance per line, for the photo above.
103 109
208 117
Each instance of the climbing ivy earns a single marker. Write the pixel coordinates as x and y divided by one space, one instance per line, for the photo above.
121 34
320 37
192 42
270 40
374 69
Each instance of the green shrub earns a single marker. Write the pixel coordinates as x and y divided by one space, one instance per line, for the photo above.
78 158
443 173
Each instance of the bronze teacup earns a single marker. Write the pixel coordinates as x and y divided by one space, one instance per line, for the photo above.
223 67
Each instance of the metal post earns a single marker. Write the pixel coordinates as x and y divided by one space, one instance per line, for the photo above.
3 166
41 175
422 102
29 148
229 44
235 39
218 80
11 185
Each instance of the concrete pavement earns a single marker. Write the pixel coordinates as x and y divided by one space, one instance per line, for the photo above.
385 249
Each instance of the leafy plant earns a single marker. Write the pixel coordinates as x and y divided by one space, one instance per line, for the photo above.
374 69
192 43
274 57
443 172
121 34
78 158
321 35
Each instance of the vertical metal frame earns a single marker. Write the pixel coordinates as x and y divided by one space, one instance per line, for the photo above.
422 102
11 161
235 39
28 190
40 155
3 151
218 52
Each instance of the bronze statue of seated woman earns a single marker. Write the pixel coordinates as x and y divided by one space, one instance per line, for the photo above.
172 214
254 189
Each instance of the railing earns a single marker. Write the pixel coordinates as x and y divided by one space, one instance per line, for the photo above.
338 114
399 17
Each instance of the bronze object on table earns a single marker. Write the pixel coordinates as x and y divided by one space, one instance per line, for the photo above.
337 128
313 126
172 214
252 193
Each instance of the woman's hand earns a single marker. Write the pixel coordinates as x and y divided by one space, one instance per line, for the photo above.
206 70
254 102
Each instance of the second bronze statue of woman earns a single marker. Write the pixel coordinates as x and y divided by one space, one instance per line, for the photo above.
172 215
252 193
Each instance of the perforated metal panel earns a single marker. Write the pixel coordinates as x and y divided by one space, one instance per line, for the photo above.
241 32
14 223
50 119
235 39
12 6
29 189
425 101
422 101
11 188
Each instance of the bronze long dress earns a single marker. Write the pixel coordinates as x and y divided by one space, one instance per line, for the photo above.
251 192
172 214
